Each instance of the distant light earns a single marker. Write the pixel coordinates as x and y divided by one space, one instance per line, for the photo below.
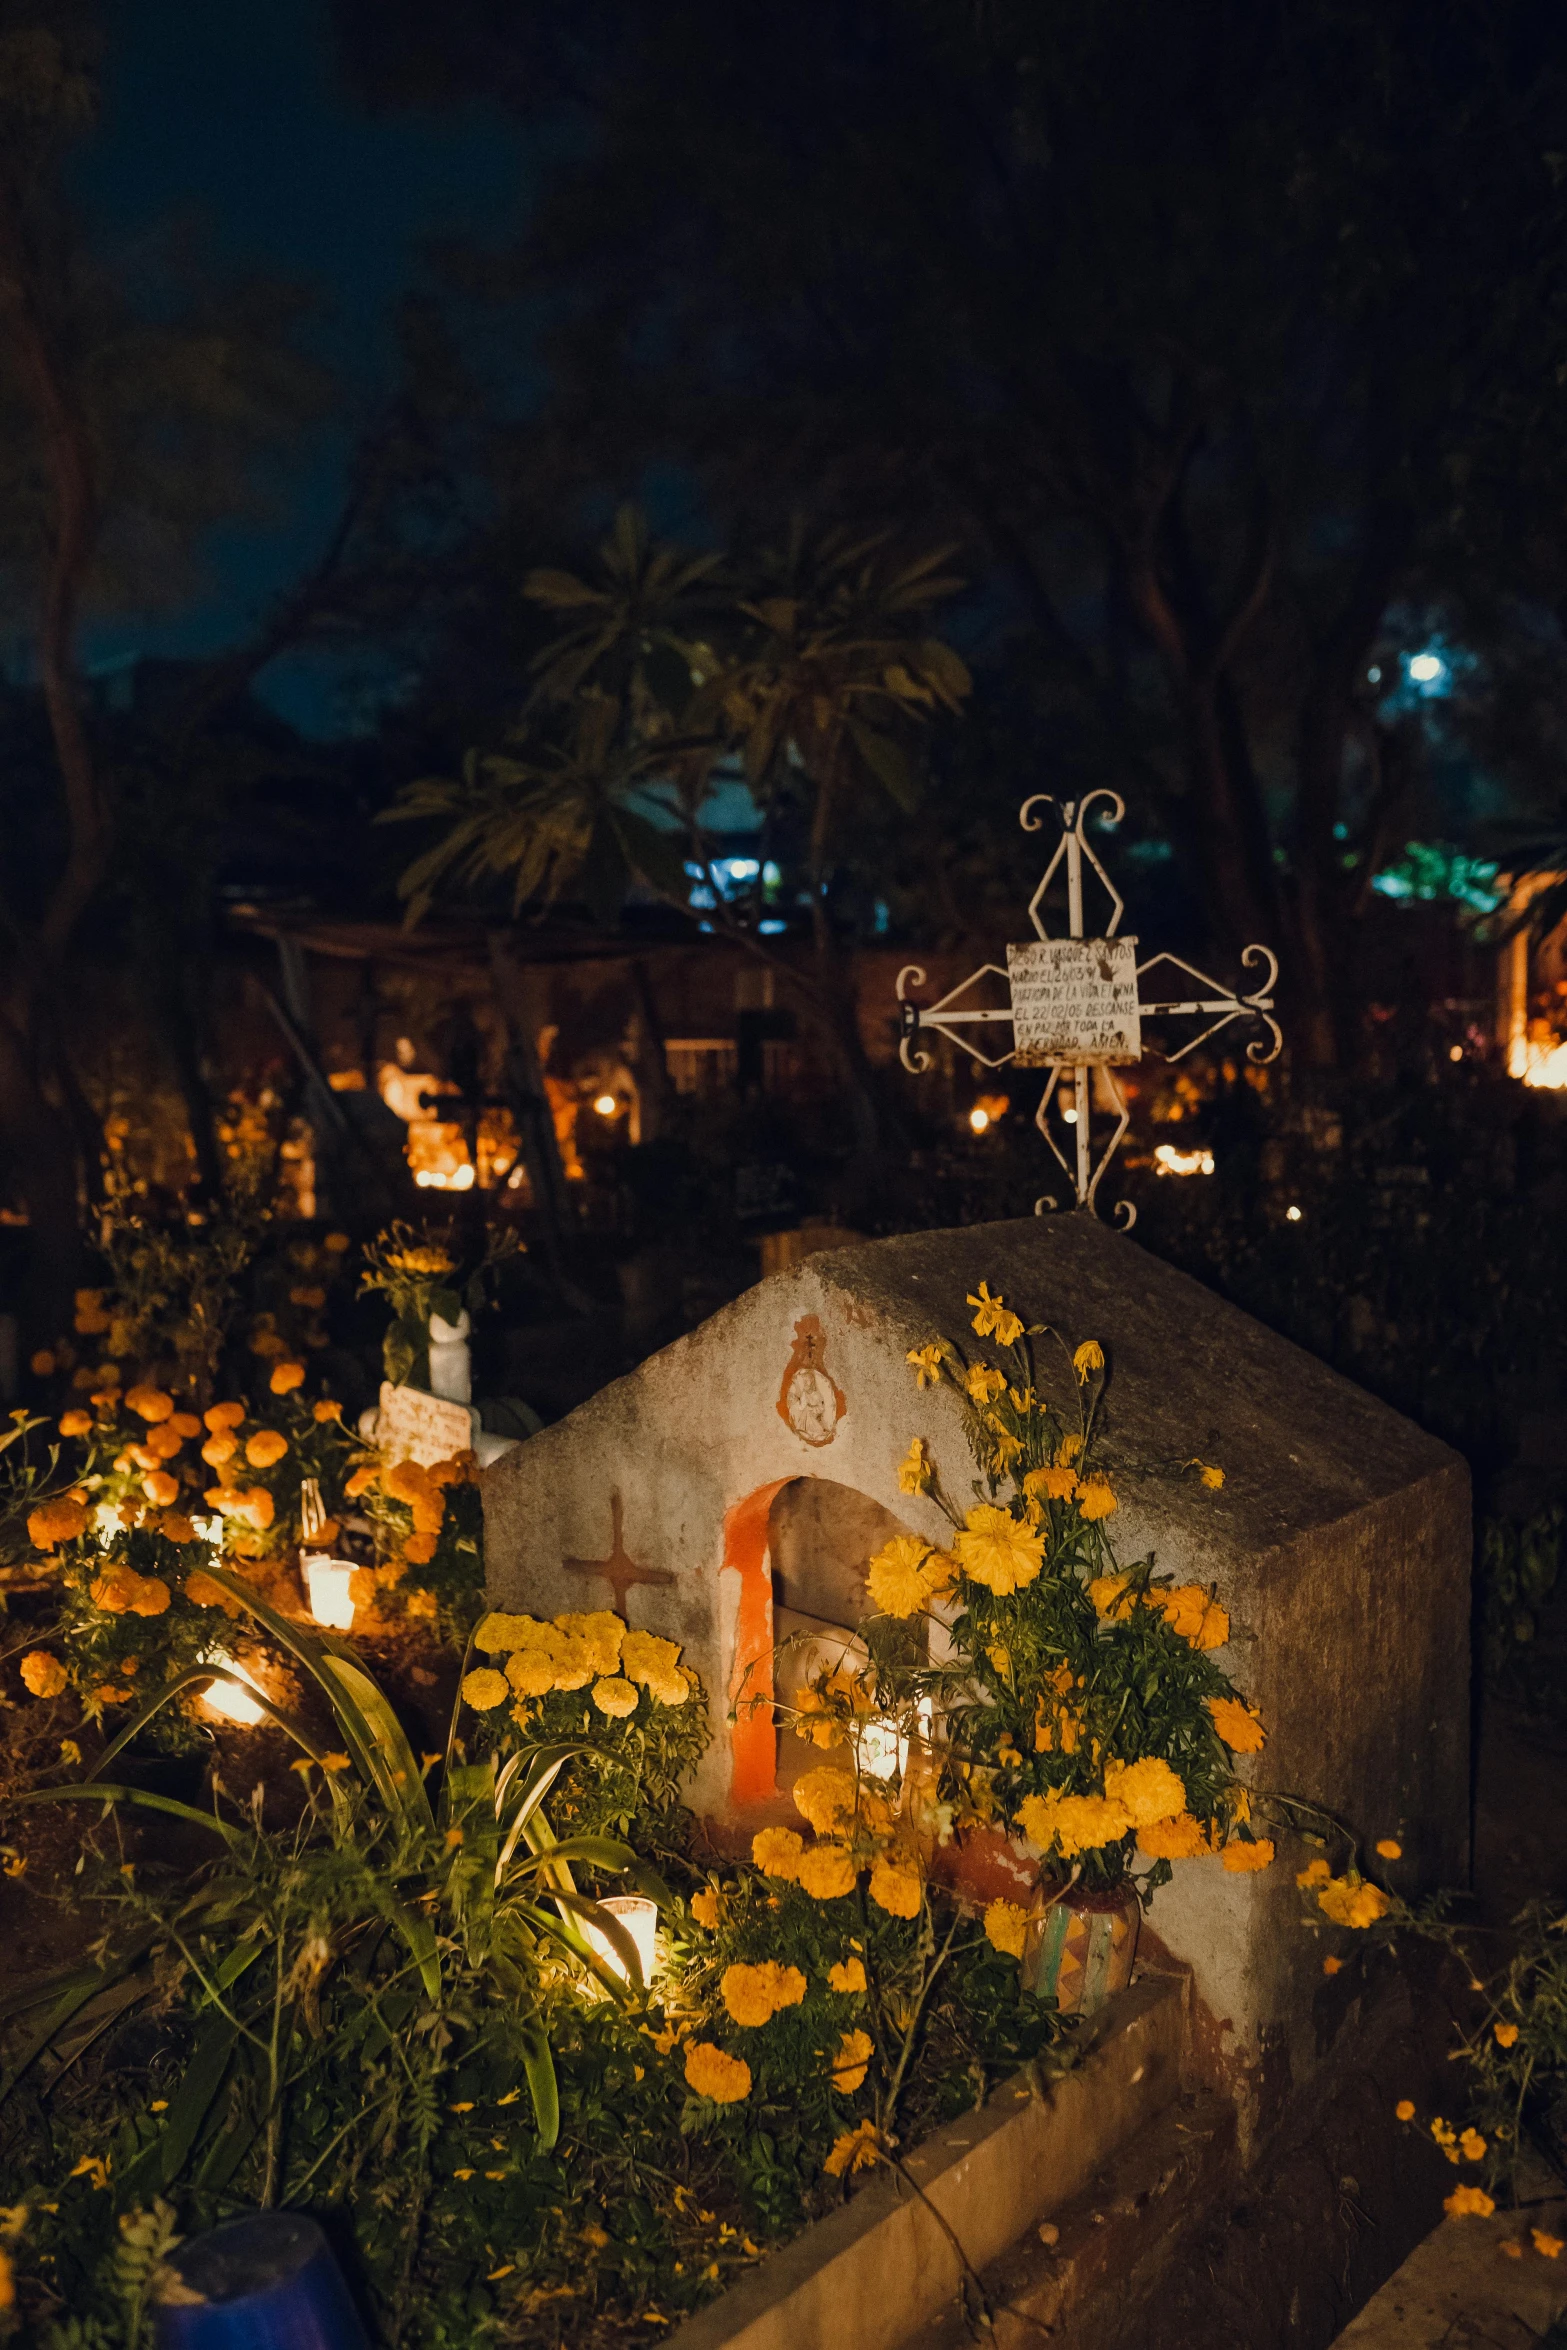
771 929
230 1703
1293 1215
606 1105
1455 1052
326 1583
1375 675
1549 1071
1070 1116
979 1120
1169 1161
1426 668
639 1916
437 1179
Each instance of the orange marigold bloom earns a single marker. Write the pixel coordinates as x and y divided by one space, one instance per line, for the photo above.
1006 1923
75 1423
160 1488
362 1480
1506 2034
827 1872
712 2072
1236 1724
286 1377
1095 1500
328 1409
42 1673
150 1404
221 1416
896 1888
174 1526
219 1449
185 1425
1244 1860
1182 1838
202 1591
854 2054
856 2150
163 1443
777 1851
56 1521
265 1448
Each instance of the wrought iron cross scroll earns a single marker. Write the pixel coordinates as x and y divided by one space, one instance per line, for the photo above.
1075 1009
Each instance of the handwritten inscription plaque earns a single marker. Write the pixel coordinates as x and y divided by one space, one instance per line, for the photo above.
1075 1000
415 1426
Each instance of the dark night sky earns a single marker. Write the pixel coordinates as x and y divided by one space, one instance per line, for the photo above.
235 116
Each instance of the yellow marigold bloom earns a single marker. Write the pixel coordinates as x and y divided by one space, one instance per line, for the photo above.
856 2150
286 1377
1549 2247
1072 1823
56 1521
1095 1499
1349 1902
149 1403
573 1663
1316 1872
75 1423
1389 1848
1472 2146
674 1689
984 1384
927 1364
1051 1484
754 1994
603 1633
986 1309
615 1697
42 1673
855 2050
1182 1838
847 1975
707 1907
1404 2110
1236 1724
644 1657
1089 1358
827 1872
915 1471
1069 1449
997 1550
1104 1595
496 1634
1468 2202
896 1887
777 1851
1005 1926
531 1672
1505 2034
711 2072
1147 1791
267 1446
825 1796
484 1689
1245 1860
1211 1477
430 1261
906 1574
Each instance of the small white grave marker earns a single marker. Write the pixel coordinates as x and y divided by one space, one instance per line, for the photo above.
414 1426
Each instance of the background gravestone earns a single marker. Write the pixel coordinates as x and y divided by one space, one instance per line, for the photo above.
1339 1544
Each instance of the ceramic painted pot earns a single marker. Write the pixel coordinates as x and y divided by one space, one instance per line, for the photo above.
1079 1945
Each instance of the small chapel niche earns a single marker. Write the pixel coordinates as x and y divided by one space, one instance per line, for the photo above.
820 1540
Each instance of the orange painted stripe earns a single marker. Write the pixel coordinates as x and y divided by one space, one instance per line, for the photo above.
753 1739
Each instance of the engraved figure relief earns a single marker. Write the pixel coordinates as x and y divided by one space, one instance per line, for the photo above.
809 1398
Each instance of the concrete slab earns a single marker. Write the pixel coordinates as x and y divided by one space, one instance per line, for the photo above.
1460 2291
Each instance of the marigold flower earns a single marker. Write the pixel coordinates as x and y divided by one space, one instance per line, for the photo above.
1246 1860
1472 2146
855 2050
754 1994
42 1363
1072 1823
222 1416
777 1851
286 1377
1095 1499
1105 1595
202 1591
1006 1923
362 1479
484 1688
161 1489
265 1448
1505 2034
1237 1724
644 1657
847 1975
915 1471
987 1310
1349 1902
827 1872
1048 1484
707 1908
1147 1791
998 1550
149 1403
1404 2110
164 1443
856 2150
75 1423
327 1408
1548 2246
56 1521
418 1550
674 1689
531 1671
338 1242
615 1697
824 1797
1468 2202
713 2073
1185 1610
604 1634
897 1577
91 1316
1316 1872
1332 1966
1389 1848
1183 1838
985 1384
497 1633
896 1887
927 1364
42 1673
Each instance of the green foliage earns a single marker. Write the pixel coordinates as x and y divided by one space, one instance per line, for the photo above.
419 1274
1517 1569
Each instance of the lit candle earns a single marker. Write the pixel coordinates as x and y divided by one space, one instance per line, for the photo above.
228 1701
639 1916
326 1587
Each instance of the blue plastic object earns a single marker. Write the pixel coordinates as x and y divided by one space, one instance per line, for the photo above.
267 2282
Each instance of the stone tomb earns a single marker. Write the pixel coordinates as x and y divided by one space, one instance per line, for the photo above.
731 1490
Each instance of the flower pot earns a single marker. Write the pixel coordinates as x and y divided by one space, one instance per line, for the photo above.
1079 1944
986 1864
264 2282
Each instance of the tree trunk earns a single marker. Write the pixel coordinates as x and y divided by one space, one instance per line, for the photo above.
43 1158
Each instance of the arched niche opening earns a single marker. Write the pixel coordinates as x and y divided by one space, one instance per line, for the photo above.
821 1537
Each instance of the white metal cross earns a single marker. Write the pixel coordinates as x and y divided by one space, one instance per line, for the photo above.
1074 1007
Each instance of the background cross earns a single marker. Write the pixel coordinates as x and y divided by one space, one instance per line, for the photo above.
1074 1004
619 1571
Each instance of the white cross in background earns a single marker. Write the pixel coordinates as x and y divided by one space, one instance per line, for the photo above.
1074 1006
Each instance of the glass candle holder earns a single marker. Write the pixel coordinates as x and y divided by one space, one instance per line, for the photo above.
639 1916
326 1590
